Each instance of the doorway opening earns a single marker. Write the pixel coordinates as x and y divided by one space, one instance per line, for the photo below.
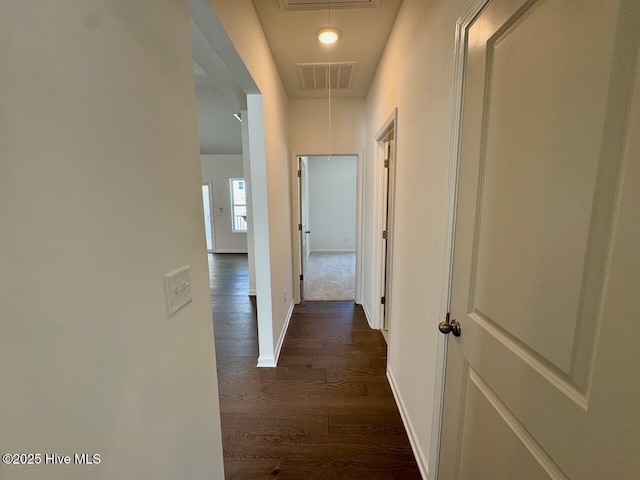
228 83
327 226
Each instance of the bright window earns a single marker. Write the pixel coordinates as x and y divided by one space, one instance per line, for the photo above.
206 203
237 186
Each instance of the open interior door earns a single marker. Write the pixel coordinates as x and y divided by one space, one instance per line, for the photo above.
387 233
543 380
303 225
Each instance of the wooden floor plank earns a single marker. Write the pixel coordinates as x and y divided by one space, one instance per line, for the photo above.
326 411
267 404
286 423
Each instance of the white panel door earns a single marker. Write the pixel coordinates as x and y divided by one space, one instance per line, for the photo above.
304 221
544 380
387 238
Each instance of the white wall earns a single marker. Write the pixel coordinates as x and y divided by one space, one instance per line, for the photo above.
270 176
332 202
416 76
309 125
99 198
218 169
309 133
219 131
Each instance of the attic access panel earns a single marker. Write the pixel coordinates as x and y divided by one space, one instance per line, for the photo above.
324 5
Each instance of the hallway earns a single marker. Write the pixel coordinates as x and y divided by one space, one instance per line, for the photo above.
325 411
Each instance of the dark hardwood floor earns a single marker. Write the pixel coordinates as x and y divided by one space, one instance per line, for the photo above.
326 411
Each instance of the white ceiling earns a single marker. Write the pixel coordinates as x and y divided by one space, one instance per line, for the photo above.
292 38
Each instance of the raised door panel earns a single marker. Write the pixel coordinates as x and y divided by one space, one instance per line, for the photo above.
542 154
545 124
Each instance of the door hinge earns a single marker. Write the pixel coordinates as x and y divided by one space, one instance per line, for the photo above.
300 227
301 277
386 163
383 300
299 173
385 235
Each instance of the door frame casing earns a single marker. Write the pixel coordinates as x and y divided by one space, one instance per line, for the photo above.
295 216
388 130
460 61
303 224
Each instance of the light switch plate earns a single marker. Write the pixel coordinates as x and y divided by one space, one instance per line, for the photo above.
178 287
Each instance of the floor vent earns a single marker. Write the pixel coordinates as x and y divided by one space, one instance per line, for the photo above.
325 4
317 76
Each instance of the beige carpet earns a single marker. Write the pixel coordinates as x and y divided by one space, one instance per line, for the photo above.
330 276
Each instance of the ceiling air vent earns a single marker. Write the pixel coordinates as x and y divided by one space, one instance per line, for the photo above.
326 4
316 76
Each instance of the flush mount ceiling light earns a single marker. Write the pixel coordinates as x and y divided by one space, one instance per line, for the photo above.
328 35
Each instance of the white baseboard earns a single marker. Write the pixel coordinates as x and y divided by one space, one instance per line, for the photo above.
367 314
230 250
284 331
272 360
423 465
266 361
332 250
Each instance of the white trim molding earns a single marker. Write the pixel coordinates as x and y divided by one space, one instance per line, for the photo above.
389 128
367 315
272 361
421 460
284 331
295 216
266 361
462 28
332 250
360 229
